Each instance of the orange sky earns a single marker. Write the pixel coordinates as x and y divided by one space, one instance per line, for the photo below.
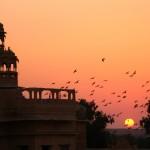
54 37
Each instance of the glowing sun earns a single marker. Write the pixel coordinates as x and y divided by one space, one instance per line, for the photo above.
129 123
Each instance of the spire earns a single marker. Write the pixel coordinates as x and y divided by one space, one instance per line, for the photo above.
2 36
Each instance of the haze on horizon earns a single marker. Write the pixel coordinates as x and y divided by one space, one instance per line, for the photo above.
52 38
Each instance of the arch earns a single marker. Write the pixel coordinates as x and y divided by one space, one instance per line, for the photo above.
64 95
46 94
4 67
26 94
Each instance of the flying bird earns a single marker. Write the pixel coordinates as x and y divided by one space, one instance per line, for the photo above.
135 101
68 82
101 86
76 82
119 101
124 92
103 100
134 72
142 111
46 93
75 71
76 91
97 85
131 75
142 85
147 82
93 91
148 90
103 59
64 95
141 105
105 80
136 105
146 97
124 96
113 93
127 72
93 83
91 94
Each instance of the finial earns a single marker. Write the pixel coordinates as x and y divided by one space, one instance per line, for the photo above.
2 35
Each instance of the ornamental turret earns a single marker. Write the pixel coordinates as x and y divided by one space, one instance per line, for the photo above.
8 63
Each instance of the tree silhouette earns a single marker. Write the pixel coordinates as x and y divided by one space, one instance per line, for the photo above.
97 137
145 121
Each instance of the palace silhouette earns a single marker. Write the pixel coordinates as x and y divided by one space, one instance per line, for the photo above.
36 118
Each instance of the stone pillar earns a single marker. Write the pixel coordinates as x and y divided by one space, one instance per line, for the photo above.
35 94
53 94
40 94
69 95
30 94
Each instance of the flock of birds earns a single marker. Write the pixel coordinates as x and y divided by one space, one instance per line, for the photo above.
119 96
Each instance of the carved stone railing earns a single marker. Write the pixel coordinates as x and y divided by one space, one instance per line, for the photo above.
48 93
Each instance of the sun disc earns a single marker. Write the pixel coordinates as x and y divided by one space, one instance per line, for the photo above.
129 123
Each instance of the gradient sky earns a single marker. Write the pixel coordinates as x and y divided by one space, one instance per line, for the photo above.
54 37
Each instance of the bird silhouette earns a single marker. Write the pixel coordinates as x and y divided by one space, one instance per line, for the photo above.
93 91
134 72
131 75
68 82
46 93
101 86
142 85
127 72
97 85
64 95
142 111
124 96
103 59
93 83
91 94
92 78
148 90
124 92
76 82
135 101
141 105
119 101
136 105
147 82
75 71
103 100
113 93
105 80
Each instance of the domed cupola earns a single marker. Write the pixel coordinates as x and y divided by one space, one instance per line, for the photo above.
8 63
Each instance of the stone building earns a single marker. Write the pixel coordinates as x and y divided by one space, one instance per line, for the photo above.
36 118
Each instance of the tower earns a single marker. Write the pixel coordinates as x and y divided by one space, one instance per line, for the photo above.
8 63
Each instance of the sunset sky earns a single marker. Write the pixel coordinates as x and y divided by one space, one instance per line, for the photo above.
53 37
